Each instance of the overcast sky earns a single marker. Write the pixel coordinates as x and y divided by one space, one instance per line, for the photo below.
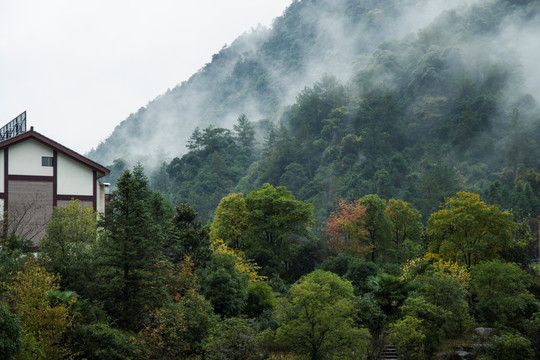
81 67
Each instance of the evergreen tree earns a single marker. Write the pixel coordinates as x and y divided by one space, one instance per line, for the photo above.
188 237
244 132
129 251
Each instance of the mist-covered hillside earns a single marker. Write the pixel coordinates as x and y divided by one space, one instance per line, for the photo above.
408 100
261 72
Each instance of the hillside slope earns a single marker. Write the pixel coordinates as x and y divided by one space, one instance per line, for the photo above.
261 72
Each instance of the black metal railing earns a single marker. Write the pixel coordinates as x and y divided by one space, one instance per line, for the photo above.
13 128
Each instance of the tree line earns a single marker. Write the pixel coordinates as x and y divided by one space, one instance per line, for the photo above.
149 281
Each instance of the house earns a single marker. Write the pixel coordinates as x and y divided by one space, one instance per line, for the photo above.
39 174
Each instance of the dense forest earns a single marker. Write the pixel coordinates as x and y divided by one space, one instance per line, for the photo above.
149 281
391 205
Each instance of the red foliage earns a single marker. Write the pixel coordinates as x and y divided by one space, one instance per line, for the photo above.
346 229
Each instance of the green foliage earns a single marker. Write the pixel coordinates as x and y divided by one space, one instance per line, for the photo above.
129 251
69 246
210 169
379 226
469 231
230 221
45 325
224 285
390 292
432 319
276 221
508 346
317 318
415 122
244 131
533 333
361 274
233 339
410 338
10 334
450 296
102 342
260 298
11 261
406 226
188 237
501 295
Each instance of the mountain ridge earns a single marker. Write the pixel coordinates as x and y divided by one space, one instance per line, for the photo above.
261 72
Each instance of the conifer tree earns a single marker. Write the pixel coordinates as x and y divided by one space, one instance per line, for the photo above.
129 251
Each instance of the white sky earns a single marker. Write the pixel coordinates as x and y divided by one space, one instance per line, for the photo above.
81 67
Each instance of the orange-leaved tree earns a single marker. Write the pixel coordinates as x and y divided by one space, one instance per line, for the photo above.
346 229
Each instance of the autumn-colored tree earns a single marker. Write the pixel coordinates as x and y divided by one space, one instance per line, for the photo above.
346 229
44 322
468 230
243 264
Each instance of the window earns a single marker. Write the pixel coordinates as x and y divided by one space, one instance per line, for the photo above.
46 161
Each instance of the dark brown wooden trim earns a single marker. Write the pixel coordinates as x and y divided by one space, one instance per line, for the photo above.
6 188
55 178
64 150
30 178
75 197
2 196
94 190
6 174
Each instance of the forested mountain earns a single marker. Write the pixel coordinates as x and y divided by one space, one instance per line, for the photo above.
261 72
361 179
448 107
411 100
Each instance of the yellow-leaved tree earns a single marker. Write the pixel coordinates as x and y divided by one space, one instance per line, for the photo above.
45 317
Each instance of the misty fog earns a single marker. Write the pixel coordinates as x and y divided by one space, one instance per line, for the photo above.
339 38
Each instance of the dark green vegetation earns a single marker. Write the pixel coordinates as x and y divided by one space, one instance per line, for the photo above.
150 282
418 118
395 205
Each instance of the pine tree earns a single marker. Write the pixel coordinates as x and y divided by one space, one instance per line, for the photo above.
129 251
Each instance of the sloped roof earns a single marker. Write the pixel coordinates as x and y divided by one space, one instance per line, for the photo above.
31 134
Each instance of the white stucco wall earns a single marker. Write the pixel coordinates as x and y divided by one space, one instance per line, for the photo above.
100 201
25 159
73 178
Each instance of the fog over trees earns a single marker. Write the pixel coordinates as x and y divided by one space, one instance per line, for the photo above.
361 178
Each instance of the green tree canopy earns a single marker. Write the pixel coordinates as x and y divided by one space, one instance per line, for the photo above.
276 219
378 224
69 244
317 318
224 285
469 231
230 221
501 295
